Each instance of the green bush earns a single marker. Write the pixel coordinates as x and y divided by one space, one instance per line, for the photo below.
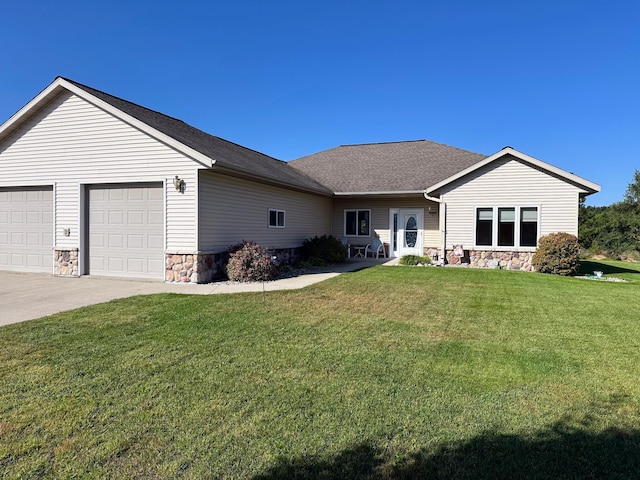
415 260
326 247
249 262
557 253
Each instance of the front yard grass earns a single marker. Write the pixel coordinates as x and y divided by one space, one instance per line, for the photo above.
384 373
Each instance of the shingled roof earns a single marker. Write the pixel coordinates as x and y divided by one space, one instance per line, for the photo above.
226 154
386 167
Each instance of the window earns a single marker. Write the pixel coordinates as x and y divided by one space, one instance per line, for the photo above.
507 226
528 227
276 218
484 226
356 223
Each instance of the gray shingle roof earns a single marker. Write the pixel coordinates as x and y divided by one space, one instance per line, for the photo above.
386 167
225 153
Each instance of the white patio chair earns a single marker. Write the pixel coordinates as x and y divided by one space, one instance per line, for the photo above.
376 247
345 242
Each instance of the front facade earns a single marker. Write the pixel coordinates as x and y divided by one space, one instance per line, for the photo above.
92 184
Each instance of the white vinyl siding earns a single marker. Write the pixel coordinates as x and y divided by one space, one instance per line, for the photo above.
72 143
509 183
380 217
233 209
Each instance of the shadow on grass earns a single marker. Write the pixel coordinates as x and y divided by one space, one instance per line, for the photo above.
589 266
559 453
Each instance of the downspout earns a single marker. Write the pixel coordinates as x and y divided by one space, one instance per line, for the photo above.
442 221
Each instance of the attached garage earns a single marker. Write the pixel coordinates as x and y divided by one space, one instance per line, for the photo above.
26 229
126 230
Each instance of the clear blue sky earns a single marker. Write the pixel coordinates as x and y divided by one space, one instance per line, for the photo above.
558 80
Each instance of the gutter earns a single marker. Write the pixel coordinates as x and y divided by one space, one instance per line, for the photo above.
442 214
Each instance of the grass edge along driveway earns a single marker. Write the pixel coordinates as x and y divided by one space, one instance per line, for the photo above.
384 373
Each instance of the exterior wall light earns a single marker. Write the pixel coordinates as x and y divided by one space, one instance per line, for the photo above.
179 184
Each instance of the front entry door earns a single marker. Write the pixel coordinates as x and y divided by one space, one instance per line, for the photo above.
406 226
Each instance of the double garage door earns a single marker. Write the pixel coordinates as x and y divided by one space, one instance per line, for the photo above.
126 225
124 234
26 229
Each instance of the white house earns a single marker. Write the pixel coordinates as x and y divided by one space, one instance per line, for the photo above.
93 184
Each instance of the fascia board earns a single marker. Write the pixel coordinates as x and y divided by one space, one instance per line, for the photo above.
395 192
589 187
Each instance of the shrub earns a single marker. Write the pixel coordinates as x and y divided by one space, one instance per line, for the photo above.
326 247
249 262
415 260
557 253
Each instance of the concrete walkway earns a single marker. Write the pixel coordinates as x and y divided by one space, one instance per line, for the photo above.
26 296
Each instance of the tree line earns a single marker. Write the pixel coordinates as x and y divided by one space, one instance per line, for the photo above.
614 230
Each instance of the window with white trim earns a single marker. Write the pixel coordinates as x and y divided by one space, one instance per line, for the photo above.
357 223
276 218
506 226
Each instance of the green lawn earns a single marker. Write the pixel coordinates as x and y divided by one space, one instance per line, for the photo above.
396 372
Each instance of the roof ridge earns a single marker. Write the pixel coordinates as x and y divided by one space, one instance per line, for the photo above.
382 143
409 141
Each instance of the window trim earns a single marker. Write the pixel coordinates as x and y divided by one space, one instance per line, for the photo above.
495 209
357 210
277 212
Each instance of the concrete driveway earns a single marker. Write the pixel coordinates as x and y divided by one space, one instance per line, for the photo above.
26 296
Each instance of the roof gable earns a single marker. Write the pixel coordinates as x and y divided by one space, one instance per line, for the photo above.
586 186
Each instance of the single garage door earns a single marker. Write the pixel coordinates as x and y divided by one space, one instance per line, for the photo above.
126 225
26 229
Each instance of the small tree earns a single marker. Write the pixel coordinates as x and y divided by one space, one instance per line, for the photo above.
557 253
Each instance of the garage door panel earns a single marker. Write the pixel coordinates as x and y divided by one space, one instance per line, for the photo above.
115 241
122 240
155 241
135 241
135 217
116 217
155 218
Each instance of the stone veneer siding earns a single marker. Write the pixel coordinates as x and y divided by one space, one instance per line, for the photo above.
65 263
203 267
493 259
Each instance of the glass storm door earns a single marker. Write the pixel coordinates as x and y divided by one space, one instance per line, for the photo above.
408 232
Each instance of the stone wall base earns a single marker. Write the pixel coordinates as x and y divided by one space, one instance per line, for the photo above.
202 267
493 259
65 262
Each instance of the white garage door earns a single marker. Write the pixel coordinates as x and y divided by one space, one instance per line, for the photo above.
26 229
126 225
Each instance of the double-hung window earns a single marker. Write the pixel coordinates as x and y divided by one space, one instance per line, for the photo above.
506 227
276 218
357 223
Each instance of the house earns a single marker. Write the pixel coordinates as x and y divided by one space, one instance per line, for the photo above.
423 197
93 184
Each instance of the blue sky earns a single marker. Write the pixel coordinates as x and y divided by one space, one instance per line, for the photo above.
558 80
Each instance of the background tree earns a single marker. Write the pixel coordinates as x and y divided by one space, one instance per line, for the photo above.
614 230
